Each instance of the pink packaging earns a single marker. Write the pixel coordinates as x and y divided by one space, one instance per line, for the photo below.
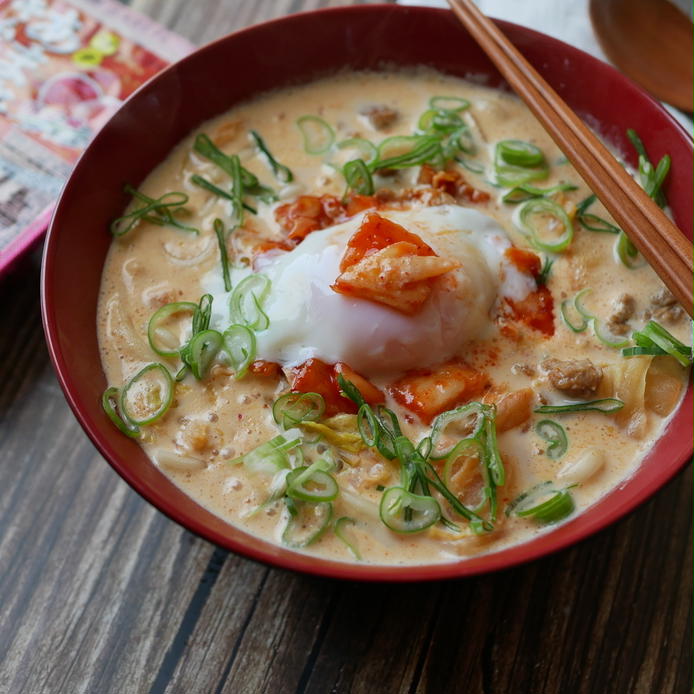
65 67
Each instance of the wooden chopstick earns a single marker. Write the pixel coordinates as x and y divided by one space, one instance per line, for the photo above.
660 242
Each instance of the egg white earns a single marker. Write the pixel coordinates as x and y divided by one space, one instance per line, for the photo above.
309 319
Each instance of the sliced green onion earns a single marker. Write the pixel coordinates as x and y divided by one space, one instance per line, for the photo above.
520 153
270 456
366 150
158 211
201 318
358 177
512 175
202 350
651 178
223 255
564 311
318 135
655 335
442 122
549 207
291 409
156 330
312 484
591 221
242 180
215 190
642 351
578 303
601 331
405 512
339 528
527 192
468 418
552 510
246 302
555 435
545 271
627 253
449 103
424 447
374 433
239 344
470 165
147 396
402 151
307 524
109 402
464 448
282 173
604 405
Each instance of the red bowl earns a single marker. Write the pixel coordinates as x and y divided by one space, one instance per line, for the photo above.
289 50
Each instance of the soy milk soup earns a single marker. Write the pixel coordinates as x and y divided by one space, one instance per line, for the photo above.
380 318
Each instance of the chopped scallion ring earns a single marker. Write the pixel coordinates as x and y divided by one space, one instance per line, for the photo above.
202 350
608 338
269 457
470 165
564 312
358 177
543 503
339 529
223 255
511 175
158 333
466 421
307 524
404 512
239 344
291 409
448 103
246 302
604 405
318 135
109 402
282 172
462 450
555 435
544 206
520 153
527 192
147 396
312 484
591 221
402 151
439 122
365 149
627 253
158 211
657 340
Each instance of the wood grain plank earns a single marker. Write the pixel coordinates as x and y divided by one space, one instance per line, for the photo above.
92 578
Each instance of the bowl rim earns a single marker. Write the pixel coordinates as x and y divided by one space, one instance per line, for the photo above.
548 542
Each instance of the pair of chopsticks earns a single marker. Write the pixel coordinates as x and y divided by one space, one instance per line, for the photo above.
660 242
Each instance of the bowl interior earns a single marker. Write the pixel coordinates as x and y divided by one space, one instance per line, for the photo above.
296 49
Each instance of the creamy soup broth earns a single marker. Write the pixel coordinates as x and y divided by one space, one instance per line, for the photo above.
216 419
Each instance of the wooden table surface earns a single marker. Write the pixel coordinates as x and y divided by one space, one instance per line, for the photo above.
101 593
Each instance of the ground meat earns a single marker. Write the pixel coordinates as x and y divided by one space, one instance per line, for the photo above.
577 378
663 298
664 307
624 306
670 314
524 369
380 117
